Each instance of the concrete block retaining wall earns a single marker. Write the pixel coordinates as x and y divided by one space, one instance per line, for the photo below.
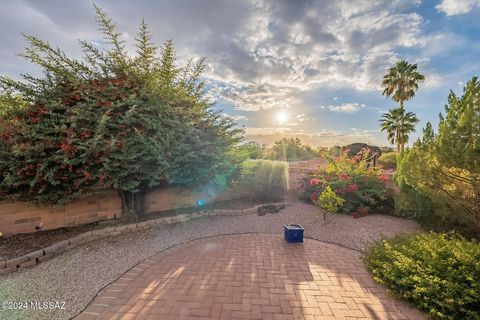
23 217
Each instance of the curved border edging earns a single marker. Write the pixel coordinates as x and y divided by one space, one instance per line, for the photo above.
188 242
36 257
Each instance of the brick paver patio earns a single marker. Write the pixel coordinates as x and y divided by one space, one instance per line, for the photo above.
248 277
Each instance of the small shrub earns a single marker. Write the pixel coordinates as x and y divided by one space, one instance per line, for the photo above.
388 160
266 179
329 201
437 272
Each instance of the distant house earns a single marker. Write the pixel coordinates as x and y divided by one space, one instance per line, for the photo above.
373 155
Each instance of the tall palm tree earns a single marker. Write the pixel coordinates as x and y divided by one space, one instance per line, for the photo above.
401 82
398 124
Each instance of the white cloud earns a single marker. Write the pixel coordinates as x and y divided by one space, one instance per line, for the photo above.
287 48
433 80
454 7
345 107
300 117
252 97
262 54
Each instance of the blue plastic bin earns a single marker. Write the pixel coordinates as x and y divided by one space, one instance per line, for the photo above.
293 233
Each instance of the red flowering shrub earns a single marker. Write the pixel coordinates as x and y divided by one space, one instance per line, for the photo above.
111 120
384 178
343 176
352 188
360 185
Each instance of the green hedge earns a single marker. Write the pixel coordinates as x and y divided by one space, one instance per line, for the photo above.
437 272
266 179
432 215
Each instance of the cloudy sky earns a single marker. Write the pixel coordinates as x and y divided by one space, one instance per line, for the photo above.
283 68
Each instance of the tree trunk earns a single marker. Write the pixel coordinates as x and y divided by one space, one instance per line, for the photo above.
398 142
402 144
476 209
132 205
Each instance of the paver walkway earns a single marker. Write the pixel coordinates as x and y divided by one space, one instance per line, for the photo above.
248 277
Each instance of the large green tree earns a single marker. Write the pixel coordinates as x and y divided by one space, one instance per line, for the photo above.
398 124
401 82
111 120
459 139
444 168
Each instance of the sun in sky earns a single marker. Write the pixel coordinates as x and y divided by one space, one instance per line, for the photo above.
282 117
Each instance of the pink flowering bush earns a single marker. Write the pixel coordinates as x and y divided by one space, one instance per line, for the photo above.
384 178
361 186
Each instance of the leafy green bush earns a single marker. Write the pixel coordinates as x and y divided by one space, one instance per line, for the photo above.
433 215
329 201
388 160
266 179
249 150
360 185
289 149
437 272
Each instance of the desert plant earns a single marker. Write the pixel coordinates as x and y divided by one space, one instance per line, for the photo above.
250 150
265 179
438 273
352 179
288 149
329 201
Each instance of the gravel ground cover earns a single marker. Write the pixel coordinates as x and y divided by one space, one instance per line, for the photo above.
17 245
77 275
